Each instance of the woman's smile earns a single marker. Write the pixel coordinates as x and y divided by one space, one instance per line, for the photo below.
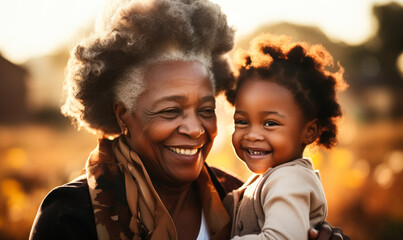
184 156
184 151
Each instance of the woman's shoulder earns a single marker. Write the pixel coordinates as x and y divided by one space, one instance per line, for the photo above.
66 213
74 193
78 186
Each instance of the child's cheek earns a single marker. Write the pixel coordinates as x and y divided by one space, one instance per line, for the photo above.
236 139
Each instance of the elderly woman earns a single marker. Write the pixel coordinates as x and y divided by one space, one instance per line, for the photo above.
146 79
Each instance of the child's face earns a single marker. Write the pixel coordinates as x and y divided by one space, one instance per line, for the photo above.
269 125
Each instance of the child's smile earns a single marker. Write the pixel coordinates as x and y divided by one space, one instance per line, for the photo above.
257 152
255 156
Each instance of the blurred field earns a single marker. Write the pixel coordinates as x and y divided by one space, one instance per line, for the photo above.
35 159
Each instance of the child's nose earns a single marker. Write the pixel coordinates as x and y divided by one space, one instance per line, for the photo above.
254 134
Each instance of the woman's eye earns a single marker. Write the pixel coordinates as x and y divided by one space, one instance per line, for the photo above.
170 113
270 123
207 112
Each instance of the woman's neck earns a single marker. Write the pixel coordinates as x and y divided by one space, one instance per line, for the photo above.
174 197
184 207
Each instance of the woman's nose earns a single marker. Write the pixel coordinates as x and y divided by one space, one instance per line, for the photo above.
254 135
191 126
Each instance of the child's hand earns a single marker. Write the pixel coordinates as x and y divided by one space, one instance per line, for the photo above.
327 232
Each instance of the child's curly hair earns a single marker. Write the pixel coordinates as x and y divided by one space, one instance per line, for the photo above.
300 68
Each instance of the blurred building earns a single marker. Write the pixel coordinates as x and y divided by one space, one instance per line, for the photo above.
13 92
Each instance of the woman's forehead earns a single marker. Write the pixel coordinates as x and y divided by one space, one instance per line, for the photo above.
178 73
177 81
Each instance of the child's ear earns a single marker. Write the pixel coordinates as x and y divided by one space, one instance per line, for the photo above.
312 131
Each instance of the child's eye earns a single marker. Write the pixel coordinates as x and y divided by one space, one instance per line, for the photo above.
240 122
270 123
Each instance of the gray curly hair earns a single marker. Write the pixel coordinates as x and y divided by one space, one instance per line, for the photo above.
132 35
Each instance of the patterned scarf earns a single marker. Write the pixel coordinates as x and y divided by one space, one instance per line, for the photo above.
126 205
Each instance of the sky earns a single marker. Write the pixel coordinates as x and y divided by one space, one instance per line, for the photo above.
31 28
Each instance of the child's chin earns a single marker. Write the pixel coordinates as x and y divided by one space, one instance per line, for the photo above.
257 169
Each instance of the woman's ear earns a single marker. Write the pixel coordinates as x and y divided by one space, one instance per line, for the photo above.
120 113
312 131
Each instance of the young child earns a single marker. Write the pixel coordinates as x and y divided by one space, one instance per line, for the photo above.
284 100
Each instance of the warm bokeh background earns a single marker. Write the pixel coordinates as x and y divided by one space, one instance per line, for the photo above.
362 176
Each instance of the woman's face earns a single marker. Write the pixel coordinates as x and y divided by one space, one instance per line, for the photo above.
174 124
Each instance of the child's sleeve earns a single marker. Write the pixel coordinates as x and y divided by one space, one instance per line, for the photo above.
288 198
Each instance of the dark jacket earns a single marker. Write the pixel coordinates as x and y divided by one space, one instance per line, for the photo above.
66 212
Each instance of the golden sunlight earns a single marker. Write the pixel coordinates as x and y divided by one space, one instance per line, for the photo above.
42 26
15 158
383 175
395 161
16 198
399 64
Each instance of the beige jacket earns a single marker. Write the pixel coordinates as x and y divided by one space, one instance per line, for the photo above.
283 203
